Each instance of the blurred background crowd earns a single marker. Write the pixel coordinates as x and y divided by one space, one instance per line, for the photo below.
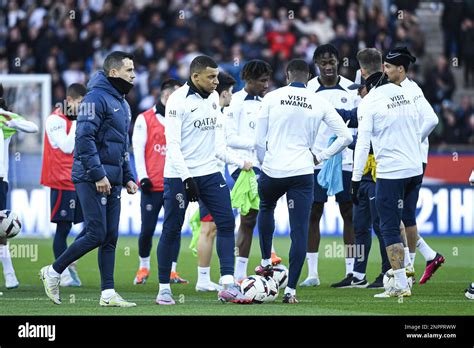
70 39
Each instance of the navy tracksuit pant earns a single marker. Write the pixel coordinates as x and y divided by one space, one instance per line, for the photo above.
215 195
299 196
391 195
101 220
150 205
364 218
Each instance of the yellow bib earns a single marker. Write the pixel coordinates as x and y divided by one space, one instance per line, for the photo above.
370 166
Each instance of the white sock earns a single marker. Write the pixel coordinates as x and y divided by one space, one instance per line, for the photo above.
312 264
145 262
204 275
6 259
425 250
227 280
173 267
349 265
240 267
52 272
290 291
108 293
412 259
407 261
164 287
266 262
358 275
273 249
401 278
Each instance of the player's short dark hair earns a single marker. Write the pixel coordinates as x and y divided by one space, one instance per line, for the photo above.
200 63
327 48
370 59
170 83
76 90
115 60
225 82
254 69
298 66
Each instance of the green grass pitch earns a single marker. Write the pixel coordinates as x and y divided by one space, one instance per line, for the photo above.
442 295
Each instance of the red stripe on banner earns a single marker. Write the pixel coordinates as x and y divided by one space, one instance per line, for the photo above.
57 204
450 169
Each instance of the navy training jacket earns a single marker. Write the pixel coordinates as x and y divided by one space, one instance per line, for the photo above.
101 145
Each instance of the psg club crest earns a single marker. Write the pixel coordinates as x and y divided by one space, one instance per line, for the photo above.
214 106
344 99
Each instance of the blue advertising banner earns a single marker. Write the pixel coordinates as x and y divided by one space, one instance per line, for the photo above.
443 209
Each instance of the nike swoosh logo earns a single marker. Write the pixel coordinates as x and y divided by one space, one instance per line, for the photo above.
192 110
106 302
203 272
393 55
115 110
371 198
222 185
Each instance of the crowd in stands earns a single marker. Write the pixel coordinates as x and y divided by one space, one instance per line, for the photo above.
69 40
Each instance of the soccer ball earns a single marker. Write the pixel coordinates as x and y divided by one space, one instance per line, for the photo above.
272 289
10 225
389 280
255 287
280 275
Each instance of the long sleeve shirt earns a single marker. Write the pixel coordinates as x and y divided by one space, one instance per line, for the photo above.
288 126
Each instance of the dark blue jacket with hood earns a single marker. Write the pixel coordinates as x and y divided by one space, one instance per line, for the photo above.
102 142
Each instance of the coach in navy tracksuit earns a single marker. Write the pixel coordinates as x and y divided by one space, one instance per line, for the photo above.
100 169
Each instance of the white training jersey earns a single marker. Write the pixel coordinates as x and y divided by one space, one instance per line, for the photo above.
20 125
389 119
288 125
241 119
139 140
190 130
340 97
428 118
223 153
56 129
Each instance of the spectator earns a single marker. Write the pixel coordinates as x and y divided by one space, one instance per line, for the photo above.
282 40
465 110
452 133
439 83
46 37
469 129
451 25
322 27
468 52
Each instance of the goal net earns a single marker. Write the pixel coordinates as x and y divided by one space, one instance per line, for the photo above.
28 95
